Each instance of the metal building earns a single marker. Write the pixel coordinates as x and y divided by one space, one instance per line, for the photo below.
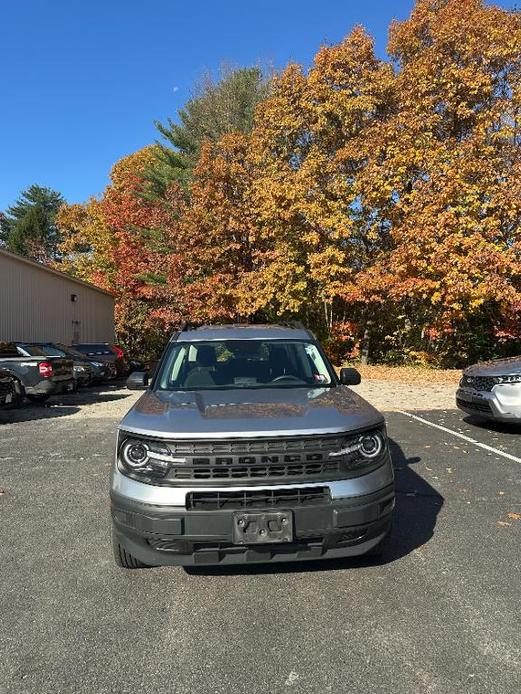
40 304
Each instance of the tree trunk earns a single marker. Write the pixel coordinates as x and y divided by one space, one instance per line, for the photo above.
366 341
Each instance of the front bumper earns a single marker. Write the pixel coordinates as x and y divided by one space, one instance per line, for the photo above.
83 378
502 403
170 534
107 372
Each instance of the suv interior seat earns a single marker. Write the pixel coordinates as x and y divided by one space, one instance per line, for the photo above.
203 373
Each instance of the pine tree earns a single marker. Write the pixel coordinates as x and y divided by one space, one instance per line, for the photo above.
28 227
217 108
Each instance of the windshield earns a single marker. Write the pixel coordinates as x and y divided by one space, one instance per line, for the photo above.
70 351
50 350
244 364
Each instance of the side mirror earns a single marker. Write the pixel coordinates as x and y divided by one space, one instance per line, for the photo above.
350 377
138 380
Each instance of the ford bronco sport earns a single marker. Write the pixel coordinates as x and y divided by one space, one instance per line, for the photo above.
246 447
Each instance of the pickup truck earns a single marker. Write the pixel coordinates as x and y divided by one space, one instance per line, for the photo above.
82 369
38 377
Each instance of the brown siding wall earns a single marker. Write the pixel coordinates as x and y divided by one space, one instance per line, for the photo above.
35 304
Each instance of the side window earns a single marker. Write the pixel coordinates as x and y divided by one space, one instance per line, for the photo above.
176 367
317 364
172 369
304 364
7 349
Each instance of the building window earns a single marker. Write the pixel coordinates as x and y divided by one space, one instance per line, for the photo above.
74 297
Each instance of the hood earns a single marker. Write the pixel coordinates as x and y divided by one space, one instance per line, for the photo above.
498 367
234 413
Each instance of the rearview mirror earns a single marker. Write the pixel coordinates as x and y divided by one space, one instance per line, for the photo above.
350 377
138 380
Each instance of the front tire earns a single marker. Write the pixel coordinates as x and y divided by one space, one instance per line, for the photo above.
18 395
124 559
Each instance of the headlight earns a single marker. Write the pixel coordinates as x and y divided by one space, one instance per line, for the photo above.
96 363
362 450
508 379
371 445
135 454
147 457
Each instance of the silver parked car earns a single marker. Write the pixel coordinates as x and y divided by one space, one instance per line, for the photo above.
492 390
246 447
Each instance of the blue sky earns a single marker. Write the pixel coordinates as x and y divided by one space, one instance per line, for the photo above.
81 82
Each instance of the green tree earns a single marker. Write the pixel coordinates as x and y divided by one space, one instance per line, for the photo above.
28 227
218 107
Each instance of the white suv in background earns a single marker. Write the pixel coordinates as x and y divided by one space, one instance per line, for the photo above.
492 390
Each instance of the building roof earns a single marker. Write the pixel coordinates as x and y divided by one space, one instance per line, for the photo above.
243 332
41 266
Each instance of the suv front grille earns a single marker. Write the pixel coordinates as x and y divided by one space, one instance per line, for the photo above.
257 459
305 459
231 472
485 383
261 499
252 446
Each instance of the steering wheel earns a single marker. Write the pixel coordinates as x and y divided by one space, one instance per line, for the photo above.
285 377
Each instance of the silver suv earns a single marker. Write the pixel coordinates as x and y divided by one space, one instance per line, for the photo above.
492 390
246 447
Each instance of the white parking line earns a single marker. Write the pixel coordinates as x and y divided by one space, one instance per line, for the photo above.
462 436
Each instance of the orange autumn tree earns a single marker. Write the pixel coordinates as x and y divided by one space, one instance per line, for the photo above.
377 200
313 138
444 180
213 244
119 242
392 197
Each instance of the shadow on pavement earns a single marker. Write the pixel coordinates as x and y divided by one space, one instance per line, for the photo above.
491 425
89 396
28 413
64 404
417 507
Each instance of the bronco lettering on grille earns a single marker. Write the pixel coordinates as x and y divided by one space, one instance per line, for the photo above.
256 460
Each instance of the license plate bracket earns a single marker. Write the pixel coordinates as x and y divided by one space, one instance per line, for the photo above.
262 528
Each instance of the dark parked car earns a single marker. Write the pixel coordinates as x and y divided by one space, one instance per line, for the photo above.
104 351
8 392
247 447
37 377
98 371
82 371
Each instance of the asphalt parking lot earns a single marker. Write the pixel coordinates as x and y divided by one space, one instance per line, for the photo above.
440 614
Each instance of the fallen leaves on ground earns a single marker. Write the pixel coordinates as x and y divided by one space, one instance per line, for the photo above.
409 374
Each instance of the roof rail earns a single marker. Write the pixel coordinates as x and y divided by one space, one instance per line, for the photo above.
293 324
193 325
189 325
